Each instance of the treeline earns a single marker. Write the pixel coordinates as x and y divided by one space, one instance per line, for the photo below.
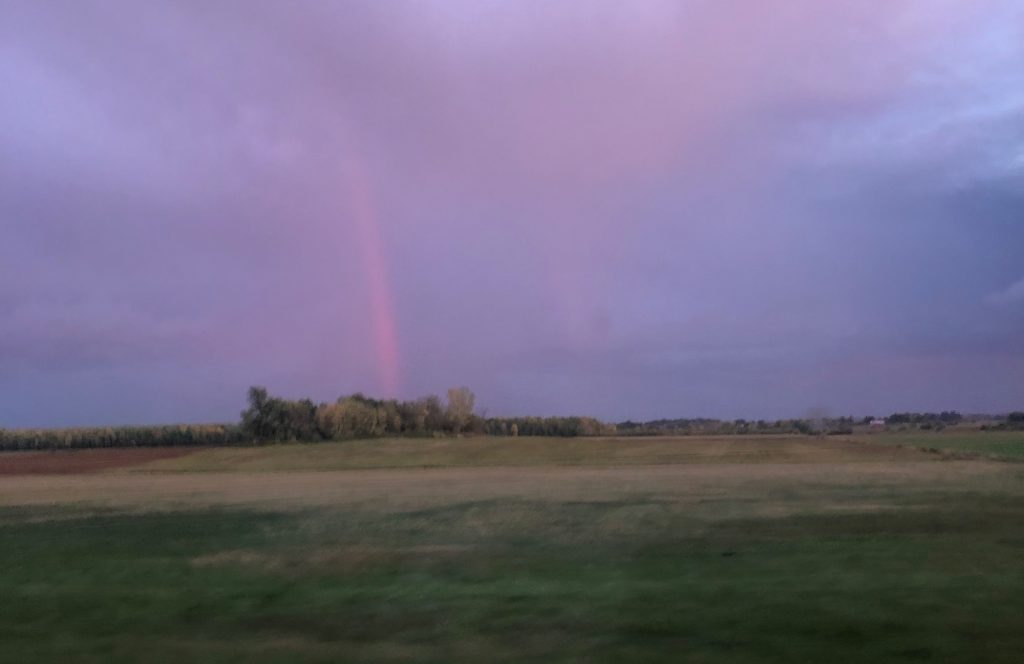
547 426
275 419
269 419
1013 422
946 417
143 436
713 427
843 425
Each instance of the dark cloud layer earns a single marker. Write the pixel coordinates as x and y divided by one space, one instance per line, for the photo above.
621 209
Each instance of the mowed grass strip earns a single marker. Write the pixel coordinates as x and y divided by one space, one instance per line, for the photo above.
774 488
532 451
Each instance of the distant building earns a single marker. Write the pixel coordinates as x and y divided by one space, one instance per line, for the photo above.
876 423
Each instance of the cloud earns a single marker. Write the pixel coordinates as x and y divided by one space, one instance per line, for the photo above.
1011 295
687 195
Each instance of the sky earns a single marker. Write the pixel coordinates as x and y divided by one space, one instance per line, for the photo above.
629 210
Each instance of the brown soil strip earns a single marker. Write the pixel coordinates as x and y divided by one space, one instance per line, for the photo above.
74 462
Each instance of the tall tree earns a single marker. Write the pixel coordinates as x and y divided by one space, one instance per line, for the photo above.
460 407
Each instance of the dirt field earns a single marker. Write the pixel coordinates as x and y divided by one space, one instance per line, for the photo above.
74 462
396 474
755 475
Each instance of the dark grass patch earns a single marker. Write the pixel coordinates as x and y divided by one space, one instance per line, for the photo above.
509 580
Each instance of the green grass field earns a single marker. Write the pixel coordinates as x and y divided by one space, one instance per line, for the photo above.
698 550
994 444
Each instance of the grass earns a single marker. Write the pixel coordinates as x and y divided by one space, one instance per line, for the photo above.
848 552
525 451
516 581
1008 445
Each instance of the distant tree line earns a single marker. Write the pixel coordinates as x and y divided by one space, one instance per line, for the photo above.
547 426
1013 422
715 427
356 416
268 419
945 418
274 419
141 436
821 425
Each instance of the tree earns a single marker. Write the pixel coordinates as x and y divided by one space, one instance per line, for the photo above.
255 417
348 417
460 407
434 418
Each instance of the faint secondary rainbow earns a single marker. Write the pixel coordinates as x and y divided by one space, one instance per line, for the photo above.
382 308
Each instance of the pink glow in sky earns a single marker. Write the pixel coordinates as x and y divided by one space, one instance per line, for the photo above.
623 209
382 316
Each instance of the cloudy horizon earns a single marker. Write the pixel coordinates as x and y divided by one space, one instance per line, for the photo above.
625 210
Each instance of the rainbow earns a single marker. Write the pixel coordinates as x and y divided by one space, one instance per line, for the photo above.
371 249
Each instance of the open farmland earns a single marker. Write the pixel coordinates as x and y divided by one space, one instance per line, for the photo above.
741 549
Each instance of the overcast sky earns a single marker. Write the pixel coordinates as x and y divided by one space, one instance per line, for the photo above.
623 209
